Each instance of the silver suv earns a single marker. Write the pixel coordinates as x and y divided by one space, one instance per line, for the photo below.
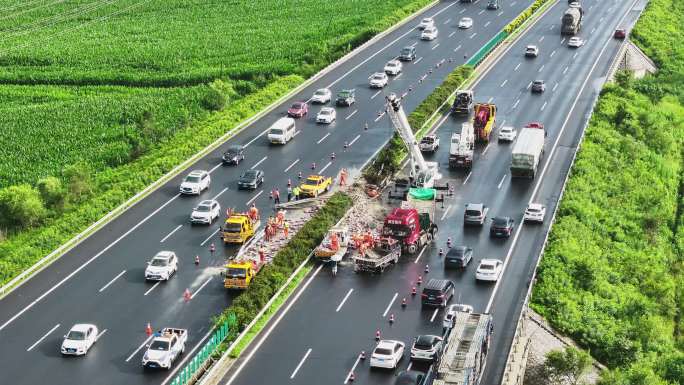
475 214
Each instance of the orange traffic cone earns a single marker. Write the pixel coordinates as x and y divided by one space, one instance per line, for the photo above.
413 291
148 329
403 302
212 248
441 252
299 175
420 280
391 319
289 182
427 268
449 242
196 259
332 156
313 165
351 377
187 296
362 356
377 335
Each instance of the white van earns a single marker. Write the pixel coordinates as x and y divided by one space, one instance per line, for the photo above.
282 131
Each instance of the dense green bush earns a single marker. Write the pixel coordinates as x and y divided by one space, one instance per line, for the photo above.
611 275
272 277
388 160
524 15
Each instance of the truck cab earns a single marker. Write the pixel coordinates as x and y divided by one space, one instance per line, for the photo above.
484 121
165 348
239 274
412 224
239 228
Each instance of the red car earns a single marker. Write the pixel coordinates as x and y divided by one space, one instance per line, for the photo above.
535 125
298 109
620 33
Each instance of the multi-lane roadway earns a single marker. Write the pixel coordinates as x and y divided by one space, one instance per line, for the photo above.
318 335
101 280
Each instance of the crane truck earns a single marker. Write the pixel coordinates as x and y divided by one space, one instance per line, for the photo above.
484 121
462 147
423 174
571 21
527 151
467 343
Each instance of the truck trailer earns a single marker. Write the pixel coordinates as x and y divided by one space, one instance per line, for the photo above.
527 152
462 148
571 21
465 356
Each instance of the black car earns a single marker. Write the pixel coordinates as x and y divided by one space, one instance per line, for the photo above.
346 98
410 377
502 227
251 179
458 256
233 155
437 292
493 4
538 86
426 348
407 54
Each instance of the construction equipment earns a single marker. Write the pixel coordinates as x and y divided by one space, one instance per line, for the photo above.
467 344
241 271
334 245
423 174
463 103
314 185
527 151
239 228
571 21
484 121
461 152
412 224
377 255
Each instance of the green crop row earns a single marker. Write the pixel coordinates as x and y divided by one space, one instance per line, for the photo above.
389 158
612 274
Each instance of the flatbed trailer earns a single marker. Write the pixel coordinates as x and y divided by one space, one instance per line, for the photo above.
385 252
464 358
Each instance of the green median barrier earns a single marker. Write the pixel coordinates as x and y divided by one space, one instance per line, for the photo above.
487 49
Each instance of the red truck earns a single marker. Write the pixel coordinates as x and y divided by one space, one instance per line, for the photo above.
412 224
484 121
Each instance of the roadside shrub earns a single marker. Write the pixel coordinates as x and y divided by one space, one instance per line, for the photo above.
20 207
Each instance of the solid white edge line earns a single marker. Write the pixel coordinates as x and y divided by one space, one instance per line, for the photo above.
42 338
344 300
409 366
294 373
170 234
501 182
432 319
548 159
323 138
219 194
390 305
258 163
420 254
358 359
152 288
78 269
103 288
200 288
292 165
272 327
249 202
212 234
138 349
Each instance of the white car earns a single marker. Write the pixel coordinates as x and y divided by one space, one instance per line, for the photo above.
206 212
531 51
196 182
326 115
507 134
378 80
535 212
79 340
465 23
387 354
489 270
393 67
425 23
165 348
426 348
322 96
448 320
575 42
162 266
429 33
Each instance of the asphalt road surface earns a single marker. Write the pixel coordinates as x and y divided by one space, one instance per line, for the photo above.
101 280
319 334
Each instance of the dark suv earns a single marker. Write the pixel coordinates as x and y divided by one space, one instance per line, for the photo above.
407 54
437 292
458 256
502 227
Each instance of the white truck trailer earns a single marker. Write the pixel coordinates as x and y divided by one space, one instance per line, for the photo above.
462 148
527 152
465 356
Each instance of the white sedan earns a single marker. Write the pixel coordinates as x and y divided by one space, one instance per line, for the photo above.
465 23
451 312
535 212
326 115
387 354
321 96
206 212
575 42
378 80
393 67
429 33
79 340
489 270
507 134
426 22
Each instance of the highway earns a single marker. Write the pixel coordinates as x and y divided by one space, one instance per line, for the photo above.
320 332
101 280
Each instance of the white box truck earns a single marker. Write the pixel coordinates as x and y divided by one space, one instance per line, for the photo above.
527 152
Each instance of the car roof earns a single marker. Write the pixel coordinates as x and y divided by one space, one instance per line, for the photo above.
531 46
327 109
81 327
502 219
474 206
437 284
387 344
207 202
535 206
197 173
323 90
490 261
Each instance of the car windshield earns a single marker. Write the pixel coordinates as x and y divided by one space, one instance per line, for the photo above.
428 140
378 77
192 179
473 213
234 149
343 94
500 222
397 231
235 273
276 131
533 210
391 64
325 112
427 21
531 48
160 345
486 267
160 262
232 227
506 130
538 82
406 379
203 209
383 351
297 106
320 93
249 175
423 342
311 182
406 51
457 252
76 335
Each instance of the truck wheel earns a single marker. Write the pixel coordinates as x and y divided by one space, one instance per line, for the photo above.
412 248
429 237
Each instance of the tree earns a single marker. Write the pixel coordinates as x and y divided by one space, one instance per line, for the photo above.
566 366
79 179
20 206
52 191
